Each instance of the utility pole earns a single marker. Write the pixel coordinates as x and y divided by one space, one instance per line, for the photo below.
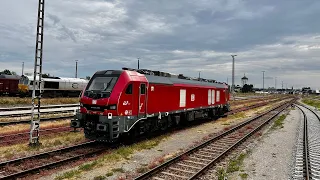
199 74
138 62
232 87
22 68
282 85
275 83
263 80
37 75
76 68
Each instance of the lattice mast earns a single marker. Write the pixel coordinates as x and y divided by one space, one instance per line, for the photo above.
37 91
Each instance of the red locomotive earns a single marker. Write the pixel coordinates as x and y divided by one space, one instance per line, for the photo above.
138 101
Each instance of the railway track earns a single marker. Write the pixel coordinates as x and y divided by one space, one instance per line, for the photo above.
194 162
244 108
42 107
307 164
24 113
23 137
71 116
27 165
28 121
14 138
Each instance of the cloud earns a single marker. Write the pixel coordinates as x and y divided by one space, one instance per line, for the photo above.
181 37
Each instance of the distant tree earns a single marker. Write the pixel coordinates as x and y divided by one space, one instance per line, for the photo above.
13 73
45 75
88 77
7 71
247 88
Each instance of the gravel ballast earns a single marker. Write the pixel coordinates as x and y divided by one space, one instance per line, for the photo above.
272 157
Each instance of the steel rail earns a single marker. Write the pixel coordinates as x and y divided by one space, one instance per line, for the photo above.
179 157
309 109
46 154
14 138
42 107
305 144
28 113
28 121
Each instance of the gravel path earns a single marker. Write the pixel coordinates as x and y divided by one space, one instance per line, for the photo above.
272 157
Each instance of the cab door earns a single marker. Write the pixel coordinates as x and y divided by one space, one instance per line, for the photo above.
142 99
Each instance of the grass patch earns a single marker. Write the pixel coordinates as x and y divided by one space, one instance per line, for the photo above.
68 175
279 122
44 101
221 174
243 175
118 170
312 102
234 164
238 115
117 155
59 139
99 178
23 127
109 174
88 167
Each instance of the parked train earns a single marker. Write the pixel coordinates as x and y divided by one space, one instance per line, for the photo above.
131 102
9 84
53 86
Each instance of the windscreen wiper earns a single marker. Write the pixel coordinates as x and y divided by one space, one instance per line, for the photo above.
108 84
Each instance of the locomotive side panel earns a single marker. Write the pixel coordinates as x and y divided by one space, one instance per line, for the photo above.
162 98
169 98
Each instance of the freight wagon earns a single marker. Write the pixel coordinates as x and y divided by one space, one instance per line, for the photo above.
9 84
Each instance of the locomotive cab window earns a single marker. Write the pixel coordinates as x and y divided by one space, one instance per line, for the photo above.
129 89
142 88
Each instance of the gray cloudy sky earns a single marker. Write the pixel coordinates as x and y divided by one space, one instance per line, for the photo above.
281 38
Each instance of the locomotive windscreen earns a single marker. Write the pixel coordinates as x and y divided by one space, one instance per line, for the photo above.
101 85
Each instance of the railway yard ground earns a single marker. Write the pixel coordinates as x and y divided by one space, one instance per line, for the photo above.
269 155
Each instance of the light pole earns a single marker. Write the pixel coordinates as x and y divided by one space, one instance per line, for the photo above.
199 74
232 86
275 83
263 80
76 68
138 63
22 68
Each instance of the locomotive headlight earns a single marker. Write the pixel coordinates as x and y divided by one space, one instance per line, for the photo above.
113 107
